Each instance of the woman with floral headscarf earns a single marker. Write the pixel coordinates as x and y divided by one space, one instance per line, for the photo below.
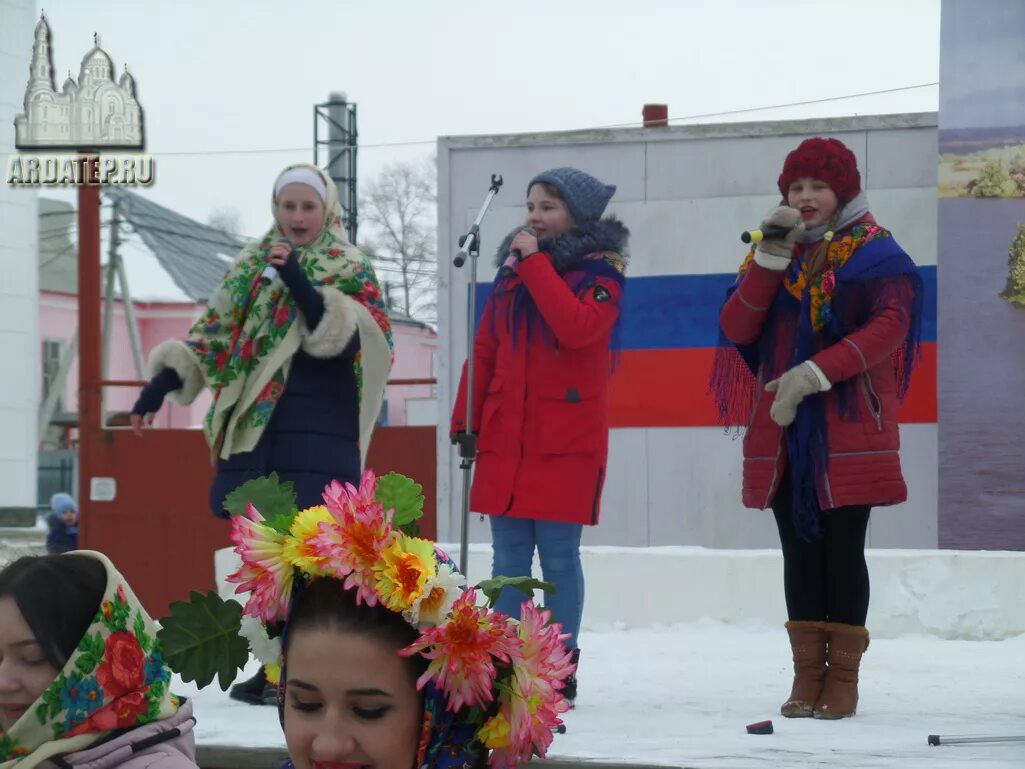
83 682
296 348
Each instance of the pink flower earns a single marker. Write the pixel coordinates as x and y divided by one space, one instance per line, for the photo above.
351 544
535 702
346 497
829 282
545 663
265 572
532 702
462 651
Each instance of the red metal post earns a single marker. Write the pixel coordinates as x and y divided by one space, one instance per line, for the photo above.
89 334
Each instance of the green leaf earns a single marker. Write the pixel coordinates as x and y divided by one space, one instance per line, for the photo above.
87 663
153 701
140 632
493 588
350 285
200 639
281 523
120 614
270 496
403 495
411 529
51 704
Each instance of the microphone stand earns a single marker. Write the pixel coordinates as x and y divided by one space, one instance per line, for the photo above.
469 245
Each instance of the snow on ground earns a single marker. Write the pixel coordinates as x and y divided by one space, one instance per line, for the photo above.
682 695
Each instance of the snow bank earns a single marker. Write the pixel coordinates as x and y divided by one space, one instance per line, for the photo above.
969 595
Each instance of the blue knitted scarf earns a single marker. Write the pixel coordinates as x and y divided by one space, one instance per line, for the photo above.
581 256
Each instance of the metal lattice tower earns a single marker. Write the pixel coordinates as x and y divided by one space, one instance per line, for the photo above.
335 140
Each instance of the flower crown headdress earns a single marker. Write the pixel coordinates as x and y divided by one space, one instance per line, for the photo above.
500 676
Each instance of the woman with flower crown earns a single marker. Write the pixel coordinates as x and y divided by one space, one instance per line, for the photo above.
83 681
295 347
385 657
820 334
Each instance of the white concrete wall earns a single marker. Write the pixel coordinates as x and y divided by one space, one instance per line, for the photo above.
19 314
686 193
946 593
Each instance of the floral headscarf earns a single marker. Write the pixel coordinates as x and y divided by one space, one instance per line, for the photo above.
245 341
116 678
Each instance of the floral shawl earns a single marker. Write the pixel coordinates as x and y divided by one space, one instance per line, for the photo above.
865 268
115 679
245 341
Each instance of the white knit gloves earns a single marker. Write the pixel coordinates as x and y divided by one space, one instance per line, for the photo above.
793 387
775 253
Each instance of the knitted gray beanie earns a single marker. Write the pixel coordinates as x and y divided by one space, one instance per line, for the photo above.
585 196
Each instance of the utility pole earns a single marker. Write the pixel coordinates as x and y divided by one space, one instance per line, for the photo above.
336 153
115 270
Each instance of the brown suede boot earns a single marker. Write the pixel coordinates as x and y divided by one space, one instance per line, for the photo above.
846 644
808 642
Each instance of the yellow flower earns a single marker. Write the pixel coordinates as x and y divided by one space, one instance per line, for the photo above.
273 672
406 565
298 549
495 732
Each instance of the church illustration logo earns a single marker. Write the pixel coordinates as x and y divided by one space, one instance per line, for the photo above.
93 113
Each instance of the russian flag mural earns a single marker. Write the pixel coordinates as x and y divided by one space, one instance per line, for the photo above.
668 338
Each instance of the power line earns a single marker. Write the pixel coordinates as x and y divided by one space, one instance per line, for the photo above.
801 103
635 124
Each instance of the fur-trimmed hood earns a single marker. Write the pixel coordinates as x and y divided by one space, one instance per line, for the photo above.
608 234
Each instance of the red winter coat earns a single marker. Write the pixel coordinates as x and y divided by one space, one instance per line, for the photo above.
539 407
864 459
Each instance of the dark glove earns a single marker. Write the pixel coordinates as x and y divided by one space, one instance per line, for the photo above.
307 298
152 396
467 443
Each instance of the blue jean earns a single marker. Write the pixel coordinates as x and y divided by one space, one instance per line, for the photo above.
558 547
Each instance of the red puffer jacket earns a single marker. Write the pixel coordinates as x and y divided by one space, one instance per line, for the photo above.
864 459
539 407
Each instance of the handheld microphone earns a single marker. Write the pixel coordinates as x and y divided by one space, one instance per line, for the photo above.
516 252
270 271
772 232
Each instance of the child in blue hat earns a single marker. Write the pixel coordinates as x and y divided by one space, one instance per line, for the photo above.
63 522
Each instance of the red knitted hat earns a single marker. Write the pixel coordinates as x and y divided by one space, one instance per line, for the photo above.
826 159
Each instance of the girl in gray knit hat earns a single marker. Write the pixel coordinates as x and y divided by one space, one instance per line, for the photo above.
544 354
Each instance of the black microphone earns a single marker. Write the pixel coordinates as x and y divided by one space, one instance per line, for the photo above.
772 232
516 252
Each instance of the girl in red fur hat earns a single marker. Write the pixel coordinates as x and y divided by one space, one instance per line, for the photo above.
820 333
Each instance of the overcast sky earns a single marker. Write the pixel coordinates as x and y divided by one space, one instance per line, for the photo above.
228 87
984 66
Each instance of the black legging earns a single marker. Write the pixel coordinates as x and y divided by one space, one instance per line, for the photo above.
825 579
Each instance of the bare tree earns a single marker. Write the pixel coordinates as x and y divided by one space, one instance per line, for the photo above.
226 219
397 215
